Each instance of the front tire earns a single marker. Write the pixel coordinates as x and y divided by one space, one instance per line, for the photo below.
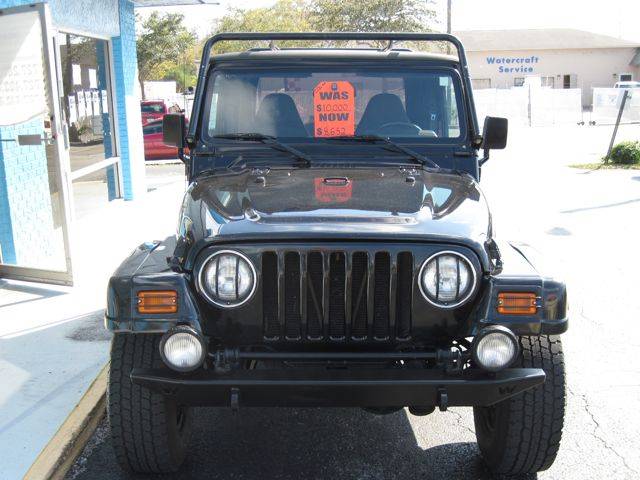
149 431
521 435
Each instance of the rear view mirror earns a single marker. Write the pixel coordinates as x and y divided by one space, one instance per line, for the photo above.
173 130
494 133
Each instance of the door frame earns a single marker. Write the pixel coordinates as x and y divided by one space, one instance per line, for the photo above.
33 274
114 159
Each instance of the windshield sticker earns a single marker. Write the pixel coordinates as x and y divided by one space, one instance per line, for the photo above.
329 190
334 109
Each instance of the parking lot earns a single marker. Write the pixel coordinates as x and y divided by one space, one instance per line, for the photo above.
585 225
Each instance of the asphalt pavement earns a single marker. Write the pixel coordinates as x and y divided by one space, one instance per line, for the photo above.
585 226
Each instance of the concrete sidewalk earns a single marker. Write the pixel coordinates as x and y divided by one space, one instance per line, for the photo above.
52 339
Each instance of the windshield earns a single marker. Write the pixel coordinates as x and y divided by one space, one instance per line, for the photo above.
308 104
152 108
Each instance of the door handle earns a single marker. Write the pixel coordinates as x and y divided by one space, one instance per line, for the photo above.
30 140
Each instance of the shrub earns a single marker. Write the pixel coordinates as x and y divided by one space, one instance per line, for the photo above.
625 153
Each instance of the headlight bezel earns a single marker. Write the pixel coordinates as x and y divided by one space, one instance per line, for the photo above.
184 330
492 330
471 289
201 285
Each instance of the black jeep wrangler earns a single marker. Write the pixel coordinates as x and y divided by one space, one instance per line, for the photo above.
334 249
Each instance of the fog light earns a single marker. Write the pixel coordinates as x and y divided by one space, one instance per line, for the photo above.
182 349
495 348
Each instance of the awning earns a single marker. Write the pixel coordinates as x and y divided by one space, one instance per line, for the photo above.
172 3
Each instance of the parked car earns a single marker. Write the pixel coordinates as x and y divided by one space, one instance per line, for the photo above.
335 249
627 84
152 110
154 146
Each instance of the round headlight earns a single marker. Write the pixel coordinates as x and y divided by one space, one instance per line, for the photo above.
447 279
182 349
495 348
227 278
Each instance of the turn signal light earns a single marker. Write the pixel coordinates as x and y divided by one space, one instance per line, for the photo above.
158 301
517 303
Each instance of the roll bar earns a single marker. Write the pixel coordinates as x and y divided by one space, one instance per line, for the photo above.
358 36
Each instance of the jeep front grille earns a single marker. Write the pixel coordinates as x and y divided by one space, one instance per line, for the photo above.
337 295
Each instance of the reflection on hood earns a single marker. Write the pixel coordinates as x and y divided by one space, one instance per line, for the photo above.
344 195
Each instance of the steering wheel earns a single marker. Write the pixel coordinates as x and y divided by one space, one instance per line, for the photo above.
400 129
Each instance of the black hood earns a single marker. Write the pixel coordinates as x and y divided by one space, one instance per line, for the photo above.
399 204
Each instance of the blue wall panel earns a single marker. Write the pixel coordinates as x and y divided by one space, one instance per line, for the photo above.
99 17
125 63
26 218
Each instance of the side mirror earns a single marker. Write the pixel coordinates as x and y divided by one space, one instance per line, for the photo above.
173 130
494 133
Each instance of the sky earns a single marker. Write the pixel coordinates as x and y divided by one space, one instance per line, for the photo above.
618 18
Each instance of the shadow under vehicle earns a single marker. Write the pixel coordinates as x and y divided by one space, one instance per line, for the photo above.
334 249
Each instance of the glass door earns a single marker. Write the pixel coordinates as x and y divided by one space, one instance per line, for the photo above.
87 117
34 188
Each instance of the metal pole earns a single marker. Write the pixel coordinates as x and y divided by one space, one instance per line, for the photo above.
625 95
448 24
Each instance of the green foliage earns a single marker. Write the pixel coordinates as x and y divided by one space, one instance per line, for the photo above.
327 16
283 16
625 153
164 44
371 15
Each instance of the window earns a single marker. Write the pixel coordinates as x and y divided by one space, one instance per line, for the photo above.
548 82
518 82
152 128
626 77
310 103
479 83
152 108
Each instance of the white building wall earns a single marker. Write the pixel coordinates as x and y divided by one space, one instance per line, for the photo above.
588 68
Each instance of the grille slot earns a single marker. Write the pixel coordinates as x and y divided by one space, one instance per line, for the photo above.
292 315
337 276
382 277
337 295
315 310
359 270
270 294
404 295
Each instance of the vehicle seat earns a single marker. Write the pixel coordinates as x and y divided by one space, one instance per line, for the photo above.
382 108
278 116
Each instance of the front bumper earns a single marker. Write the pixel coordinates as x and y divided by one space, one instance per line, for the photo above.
339 388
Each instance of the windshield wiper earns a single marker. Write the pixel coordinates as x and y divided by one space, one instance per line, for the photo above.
400 148
303 158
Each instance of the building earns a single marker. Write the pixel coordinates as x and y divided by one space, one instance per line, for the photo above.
562 58
70 127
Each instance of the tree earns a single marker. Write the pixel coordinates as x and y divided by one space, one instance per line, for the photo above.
328 15
283 16
164 44
371 15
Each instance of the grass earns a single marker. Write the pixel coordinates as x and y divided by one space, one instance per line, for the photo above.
606 166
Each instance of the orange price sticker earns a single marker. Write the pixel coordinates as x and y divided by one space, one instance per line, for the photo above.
334 108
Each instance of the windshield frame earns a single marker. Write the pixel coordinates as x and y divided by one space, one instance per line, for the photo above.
465 122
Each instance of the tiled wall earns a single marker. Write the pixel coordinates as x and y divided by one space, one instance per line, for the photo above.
26 217
91 16
125 63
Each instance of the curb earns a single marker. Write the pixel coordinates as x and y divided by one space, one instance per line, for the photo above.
58 455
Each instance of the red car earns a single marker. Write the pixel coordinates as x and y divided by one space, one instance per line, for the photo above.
152 110
154 148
